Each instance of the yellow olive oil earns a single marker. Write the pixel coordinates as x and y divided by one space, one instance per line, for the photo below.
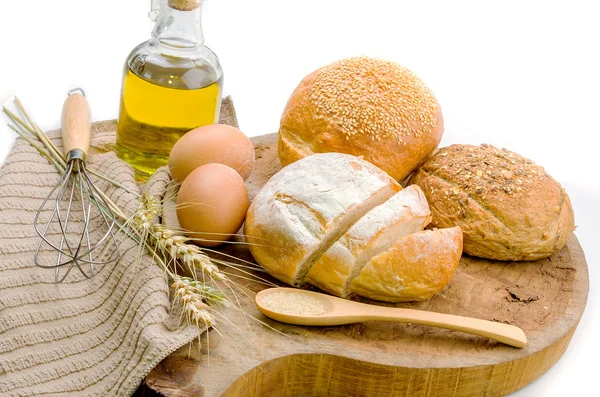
159 104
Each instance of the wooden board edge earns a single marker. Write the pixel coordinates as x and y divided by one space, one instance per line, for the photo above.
336 376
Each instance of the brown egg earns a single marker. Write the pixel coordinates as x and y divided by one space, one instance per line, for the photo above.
212 204
215 143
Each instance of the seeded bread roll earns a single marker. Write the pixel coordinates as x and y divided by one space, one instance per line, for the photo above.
508 207
365 107
416 268
307 206
405 213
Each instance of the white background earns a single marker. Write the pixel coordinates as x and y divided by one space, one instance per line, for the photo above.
519 74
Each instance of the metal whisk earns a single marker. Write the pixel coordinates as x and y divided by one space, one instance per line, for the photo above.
78 224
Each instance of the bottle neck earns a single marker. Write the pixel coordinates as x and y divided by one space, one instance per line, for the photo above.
179 27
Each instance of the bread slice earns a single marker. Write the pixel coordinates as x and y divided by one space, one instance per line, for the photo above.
416 268
308 206
405 213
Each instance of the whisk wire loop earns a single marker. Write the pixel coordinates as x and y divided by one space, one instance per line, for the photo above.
76 196
78 253
63 181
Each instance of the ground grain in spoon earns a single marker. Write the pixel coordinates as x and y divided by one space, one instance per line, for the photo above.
294 303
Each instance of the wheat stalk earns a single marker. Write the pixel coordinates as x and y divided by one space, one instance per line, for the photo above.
171 245
190 256
195 298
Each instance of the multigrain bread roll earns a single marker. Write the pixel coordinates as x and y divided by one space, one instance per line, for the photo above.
308 206
364 107
508 207
405 213
416 268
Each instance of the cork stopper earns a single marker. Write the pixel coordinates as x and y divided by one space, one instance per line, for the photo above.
184 5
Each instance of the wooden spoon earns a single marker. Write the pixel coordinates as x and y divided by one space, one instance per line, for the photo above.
338 311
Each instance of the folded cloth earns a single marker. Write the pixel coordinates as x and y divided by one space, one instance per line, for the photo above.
88 337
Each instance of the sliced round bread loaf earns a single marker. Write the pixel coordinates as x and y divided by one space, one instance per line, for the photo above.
307 206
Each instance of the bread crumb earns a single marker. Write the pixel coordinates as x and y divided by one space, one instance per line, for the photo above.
295 303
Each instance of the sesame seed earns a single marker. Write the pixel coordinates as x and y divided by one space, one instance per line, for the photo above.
488 171
377 98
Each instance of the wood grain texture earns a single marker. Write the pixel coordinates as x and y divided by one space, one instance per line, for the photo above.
546 298
76 124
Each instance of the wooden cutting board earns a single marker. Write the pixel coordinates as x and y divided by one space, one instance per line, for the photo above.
545 298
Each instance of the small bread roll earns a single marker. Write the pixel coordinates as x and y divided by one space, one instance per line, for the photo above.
405 213
508 207
364 107
307 206
416 268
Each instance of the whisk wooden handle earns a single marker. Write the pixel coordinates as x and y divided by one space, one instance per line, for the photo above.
76 124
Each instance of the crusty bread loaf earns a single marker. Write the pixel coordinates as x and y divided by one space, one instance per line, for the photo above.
405 213
508 207
416 268
362 106
308 206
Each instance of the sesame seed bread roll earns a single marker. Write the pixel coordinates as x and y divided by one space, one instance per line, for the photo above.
508 207
416 268
405 213
307 206
364 107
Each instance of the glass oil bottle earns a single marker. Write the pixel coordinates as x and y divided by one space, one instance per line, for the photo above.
172 84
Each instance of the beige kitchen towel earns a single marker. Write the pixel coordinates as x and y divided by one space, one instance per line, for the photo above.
84 337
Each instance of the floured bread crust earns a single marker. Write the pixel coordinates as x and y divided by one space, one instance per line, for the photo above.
307 206
416 268
405 213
